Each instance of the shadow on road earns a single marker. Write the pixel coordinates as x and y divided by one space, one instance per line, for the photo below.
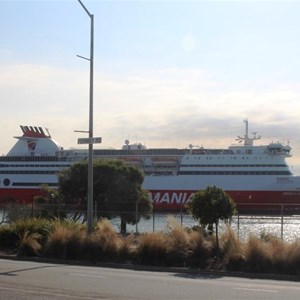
12 273
197 275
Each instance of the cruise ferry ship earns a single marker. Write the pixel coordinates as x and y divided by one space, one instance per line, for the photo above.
256 177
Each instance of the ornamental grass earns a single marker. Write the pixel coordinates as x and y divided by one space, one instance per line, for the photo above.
65 241
175 246
29 244
232 250
104 244
153 249
188 247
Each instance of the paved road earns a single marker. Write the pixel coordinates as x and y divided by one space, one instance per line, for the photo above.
33 280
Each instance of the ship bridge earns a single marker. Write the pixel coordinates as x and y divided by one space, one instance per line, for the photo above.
279 149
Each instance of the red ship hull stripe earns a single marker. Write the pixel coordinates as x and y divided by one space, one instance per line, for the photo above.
175 200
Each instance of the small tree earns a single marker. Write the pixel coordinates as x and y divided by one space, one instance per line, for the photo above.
117 190
210 206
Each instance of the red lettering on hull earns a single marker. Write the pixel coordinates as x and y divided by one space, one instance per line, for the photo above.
246 201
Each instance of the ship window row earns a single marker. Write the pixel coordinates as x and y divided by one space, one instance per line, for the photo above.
234 166
28 172
223 157
142 152
33 166
32 158
160 167
160 173
33 184
211 151
158 152
234 173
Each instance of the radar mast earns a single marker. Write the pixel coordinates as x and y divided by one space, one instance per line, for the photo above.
248 141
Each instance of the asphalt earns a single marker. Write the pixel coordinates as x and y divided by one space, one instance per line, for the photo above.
207 273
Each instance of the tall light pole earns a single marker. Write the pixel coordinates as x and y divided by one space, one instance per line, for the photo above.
90 161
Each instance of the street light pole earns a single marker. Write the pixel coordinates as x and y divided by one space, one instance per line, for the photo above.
90 159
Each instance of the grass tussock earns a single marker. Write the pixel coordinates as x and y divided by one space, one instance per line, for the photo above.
201 250
153 248
128 248
10 235
277 252
104 244
55 246
75 242
66 240
176 246
264 254
8 238
29 244
257 255
232 250
188 247
34 225
292 258
269 254
179 242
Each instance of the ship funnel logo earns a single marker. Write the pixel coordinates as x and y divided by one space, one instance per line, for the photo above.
31 145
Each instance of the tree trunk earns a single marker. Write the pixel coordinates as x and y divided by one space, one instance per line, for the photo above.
123 226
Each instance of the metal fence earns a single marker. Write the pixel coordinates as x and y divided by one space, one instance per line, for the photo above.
283 222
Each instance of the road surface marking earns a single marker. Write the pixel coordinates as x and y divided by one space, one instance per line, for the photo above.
86 275
256 290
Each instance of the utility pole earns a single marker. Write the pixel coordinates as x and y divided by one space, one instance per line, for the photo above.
90 159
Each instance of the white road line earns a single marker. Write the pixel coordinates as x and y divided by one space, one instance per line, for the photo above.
86 275
255 290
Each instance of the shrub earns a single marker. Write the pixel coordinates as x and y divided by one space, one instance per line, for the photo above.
128 248
293 258
74 243
104 243
256 255
177 246
153 248
10 235
209 207
8 238
232 250
277 253
179 243
65 240
29 244
34 225
55 245
201 249
230 244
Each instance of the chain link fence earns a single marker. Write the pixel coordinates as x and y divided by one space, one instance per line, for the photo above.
282 221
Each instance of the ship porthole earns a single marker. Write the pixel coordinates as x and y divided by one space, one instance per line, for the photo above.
6 182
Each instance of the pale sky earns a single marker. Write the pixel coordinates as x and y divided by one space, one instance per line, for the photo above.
167 73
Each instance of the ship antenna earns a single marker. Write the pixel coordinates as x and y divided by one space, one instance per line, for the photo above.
246 121
247 140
